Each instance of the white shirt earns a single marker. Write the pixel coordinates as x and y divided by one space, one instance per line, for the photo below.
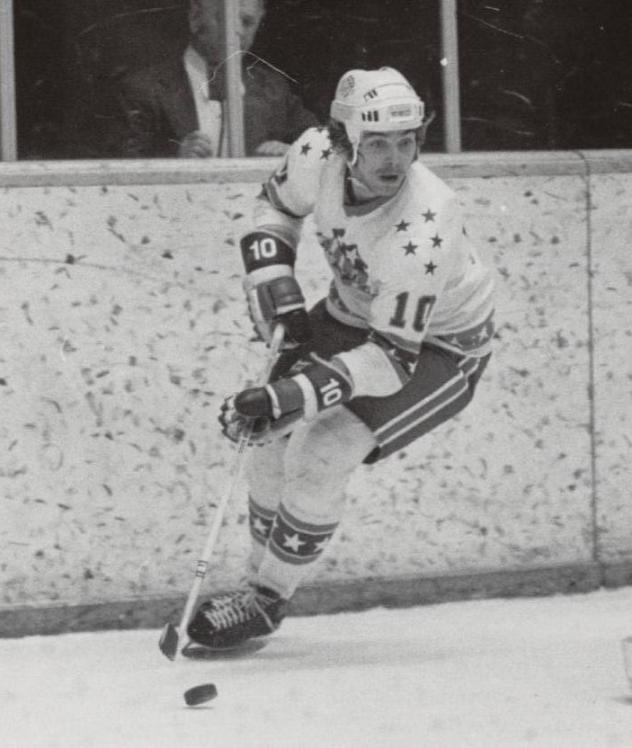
209 112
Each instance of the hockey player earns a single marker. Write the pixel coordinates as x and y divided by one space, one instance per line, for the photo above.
395 348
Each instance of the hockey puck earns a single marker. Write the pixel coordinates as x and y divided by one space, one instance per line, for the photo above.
200 694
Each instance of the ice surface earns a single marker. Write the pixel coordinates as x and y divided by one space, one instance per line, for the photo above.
494 673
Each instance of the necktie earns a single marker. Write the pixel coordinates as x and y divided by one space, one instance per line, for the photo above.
216 84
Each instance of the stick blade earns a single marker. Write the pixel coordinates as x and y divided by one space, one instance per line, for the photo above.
169 641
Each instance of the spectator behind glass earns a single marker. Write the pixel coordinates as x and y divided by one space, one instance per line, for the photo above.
174 108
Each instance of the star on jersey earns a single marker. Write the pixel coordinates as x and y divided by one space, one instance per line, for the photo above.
410 248
473 338
326 153
402 225
429 215
305 149
430 268
436 240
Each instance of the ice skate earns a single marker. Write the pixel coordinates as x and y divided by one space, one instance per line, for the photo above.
229 620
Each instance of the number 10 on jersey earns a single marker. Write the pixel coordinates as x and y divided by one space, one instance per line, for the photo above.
421 313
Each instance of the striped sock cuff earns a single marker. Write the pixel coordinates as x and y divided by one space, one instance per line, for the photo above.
297 542
261 521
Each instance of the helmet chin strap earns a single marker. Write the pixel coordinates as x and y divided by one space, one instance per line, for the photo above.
355 147
355 179
360 190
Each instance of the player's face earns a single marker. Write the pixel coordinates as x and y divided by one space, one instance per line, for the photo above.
384 159
206 25
248 20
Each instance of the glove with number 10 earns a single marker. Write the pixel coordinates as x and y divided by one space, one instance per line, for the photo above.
273 293
273 410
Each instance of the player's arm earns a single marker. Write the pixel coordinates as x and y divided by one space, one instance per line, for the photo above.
377 368
373 368
463 318
269 250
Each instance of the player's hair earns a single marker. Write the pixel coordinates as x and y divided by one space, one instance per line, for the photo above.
339 139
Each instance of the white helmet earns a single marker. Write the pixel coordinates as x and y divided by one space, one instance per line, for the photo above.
376 101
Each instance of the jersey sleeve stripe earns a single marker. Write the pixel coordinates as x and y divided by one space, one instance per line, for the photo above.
473 341
403 344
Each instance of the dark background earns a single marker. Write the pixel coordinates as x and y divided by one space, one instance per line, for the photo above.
535 74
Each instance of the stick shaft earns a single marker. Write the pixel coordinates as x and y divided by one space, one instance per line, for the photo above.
207 552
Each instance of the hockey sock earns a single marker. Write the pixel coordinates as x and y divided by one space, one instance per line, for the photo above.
261 520
293 545
265 478
320 457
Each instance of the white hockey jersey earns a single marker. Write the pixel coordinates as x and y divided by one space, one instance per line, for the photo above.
403 266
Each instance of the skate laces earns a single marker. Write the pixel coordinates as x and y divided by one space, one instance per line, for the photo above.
235 608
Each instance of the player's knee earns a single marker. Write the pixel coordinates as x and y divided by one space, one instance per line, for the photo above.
329 448
317 472
320 458
264 472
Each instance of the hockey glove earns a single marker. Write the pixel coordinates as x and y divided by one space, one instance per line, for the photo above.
273 410
278 301
235 425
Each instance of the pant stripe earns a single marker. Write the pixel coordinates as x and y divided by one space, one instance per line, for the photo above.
429 406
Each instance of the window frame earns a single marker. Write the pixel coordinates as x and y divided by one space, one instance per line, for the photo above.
450 75
234 104
8 113
236 149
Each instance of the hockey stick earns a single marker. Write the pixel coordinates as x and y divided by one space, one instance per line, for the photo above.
170 636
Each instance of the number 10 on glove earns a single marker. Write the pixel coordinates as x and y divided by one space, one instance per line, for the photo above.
273 410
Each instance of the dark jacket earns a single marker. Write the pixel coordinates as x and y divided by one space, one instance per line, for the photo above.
158 110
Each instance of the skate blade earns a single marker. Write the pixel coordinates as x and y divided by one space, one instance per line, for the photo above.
200 652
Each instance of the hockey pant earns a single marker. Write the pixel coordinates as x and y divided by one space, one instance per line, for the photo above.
297 483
